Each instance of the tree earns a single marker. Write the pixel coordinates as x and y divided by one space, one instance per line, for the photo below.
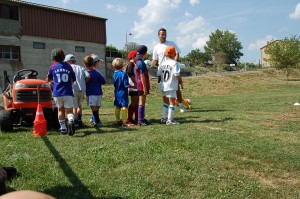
196 57
284 54
224 42
112 51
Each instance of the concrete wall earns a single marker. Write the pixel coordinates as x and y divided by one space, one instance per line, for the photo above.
40 59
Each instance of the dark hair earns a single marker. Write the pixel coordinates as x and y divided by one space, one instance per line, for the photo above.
162 29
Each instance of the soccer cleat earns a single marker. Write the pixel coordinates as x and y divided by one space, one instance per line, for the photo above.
146 121
63 131
71 128
163 120
172 122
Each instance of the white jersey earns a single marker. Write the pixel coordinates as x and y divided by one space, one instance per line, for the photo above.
160 49
168 70
81 73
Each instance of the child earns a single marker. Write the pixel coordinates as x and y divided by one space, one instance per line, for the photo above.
169 71
94 90
121 84
143 83
79 88
62 76
133 93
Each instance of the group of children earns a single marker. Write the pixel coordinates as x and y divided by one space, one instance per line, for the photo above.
71 82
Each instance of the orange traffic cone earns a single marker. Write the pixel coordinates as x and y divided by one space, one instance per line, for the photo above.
40 123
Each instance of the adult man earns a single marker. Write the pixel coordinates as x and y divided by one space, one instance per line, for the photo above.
159 56
79 88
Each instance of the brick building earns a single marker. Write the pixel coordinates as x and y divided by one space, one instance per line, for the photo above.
29 32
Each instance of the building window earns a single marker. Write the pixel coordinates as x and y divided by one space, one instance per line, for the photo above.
9 12
79 49
10 52
39 45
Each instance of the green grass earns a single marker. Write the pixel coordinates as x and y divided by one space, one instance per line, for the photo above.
241 140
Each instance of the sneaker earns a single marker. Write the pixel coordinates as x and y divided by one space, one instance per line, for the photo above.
141 123
99 124
163 120
132 121
182 109
119 123
146 121
63 131
71 128
173 122
128 123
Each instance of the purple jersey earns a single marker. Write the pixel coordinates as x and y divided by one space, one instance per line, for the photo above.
94 85
63 77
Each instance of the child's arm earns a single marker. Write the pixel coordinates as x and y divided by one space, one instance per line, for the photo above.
143 78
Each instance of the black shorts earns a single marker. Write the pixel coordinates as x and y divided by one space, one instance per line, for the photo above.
133 93
140 93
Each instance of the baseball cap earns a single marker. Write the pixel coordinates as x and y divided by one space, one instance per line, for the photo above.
141 50
132 54
70 57
96 58
58 54
170 51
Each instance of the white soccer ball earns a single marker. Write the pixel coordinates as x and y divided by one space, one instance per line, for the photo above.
148 63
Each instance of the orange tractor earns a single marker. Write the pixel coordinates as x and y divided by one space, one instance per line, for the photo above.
21 98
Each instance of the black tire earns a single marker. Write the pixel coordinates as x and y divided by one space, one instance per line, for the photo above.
6 121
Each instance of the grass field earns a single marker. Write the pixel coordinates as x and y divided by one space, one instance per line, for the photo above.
240 140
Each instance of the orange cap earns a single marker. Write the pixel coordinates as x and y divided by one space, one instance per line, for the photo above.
170 51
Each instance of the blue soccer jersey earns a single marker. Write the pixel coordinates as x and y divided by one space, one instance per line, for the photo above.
142 69
63 77
94 85
121 84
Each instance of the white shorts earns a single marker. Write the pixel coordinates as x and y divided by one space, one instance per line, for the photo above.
94 100
78 97
169 94
64 101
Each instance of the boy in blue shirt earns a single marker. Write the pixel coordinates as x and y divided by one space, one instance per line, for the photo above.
94 90
121 84
62 76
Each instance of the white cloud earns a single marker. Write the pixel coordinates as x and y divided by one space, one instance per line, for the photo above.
296 13
192 34
260 43
118 8
194 2
155 12
187 14
186 27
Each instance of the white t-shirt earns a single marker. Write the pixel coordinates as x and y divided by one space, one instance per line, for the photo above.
169 70
81 73
160 49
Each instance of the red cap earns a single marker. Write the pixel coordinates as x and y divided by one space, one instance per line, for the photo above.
132 54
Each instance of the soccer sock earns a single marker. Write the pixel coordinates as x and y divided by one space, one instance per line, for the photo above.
62 124
141 112
96 116
70 117
117 113
165 111
130 111
124 112
136 112
171 113
79 116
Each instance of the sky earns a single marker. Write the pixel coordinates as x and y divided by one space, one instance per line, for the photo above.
190 22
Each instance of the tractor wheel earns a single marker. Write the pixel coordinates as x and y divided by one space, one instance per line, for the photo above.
6 121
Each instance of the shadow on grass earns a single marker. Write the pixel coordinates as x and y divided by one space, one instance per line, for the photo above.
201 110
293 80
188 120
78 190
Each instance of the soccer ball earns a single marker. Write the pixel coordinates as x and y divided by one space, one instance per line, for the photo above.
148 63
